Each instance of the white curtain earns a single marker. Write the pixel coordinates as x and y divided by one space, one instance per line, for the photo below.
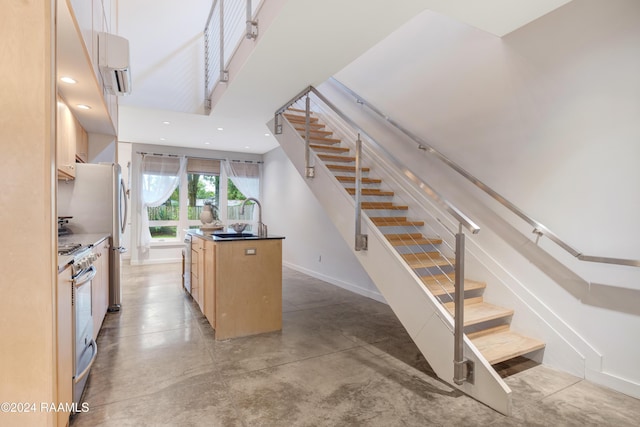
160 175
246 176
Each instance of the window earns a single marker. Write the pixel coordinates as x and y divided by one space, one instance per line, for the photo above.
163 219
203 183
176 189
244 182
160 197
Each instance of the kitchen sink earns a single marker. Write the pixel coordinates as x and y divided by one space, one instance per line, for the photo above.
233 235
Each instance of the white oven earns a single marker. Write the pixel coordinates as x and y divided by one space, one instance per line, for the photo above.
85 349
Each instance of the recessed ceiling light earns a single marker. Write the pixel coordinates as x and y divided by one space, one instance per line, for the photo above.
220 128
207 143
69 80
83 107
163 139
246 146
267 134
166 123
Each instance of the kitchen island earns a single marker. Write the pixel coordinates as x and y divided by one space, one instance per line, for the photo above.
236 279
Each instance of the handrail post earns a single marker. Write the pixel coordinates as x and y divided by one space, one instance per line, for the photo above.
361 243
224 74
252 26
462 368
309 170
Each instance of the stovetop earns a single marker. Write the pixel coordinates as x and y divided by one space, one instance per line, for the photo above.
68 248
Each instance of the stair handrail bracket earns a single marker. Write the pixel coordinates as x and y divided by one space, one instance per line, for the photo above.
462 367
361 240
538 228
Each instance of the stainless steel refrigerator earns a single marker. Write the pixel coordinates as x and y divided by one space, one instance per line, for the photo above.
97 202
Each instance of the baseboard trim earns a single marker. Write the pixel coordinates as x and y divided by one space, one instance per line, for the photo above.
337 282
613 382
155 261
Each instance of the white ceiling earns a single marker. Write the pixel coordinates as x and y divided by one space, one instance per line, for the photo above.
305 42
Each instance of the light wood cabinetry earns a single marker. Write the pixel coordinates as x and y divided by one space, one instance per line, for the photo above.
209 282
195 244
64 348
82 143
100 286
65 142
238 285
72 142
196 250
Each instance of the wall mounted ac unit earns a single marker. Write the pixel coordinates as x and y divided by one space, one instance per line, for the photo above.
113 60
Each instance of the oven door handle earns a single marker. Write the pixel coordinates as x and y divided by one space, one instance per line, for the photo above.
90 273
82 374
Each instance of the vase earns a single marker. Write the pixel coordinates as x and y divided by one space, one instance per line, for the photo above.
206 216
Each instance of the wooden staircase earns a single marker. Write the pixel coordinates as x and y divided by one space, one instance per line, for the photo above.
486 325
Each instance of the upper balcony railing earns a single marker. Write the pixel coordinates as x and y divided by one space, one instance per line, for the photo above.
538 228
229 22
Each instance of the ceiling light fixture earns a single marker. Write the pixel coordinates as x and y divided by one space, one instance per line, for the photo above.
166 123
69 80
83 107
220 128
163 139
266 134
207 143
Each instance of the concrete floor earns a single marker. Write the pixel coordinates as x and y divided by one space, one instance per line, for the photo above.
340 360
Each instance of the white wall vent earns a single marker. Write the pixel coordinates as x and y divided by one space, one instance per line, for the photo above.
113 59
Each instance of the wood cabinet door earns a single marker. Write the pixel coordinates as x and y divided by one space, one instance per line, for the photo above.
195 257
202 254
64 344
65 142
210 283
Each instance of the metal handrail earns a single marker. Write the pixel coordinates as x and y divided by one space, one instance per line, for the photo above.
217 17
539 228
463 367
426 188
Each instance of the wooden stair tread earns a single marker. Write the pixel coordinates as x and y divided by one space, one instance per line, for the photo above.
402 236
299 119
298 110
443 286
353 179
383 206
393 221
336 158
478 312
370 192
321 140
314 132
504 345
331 148
414 241
346 168
428 263
387 218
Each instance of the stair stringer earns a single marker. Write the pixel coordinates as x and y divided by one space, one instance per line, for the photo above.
425 319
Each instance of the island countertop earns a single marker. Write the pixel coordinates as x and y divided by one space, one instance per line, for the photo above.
230 236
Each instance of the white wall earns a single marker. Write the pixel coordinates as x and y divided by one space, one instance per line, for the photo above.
546 116
312 243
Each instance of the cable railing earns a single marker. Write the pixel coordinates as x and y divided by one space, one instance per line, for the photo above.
539 228
430 262
228 23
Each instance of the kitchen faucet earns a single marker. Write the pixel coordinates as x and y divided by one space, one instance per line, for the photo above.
262 229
